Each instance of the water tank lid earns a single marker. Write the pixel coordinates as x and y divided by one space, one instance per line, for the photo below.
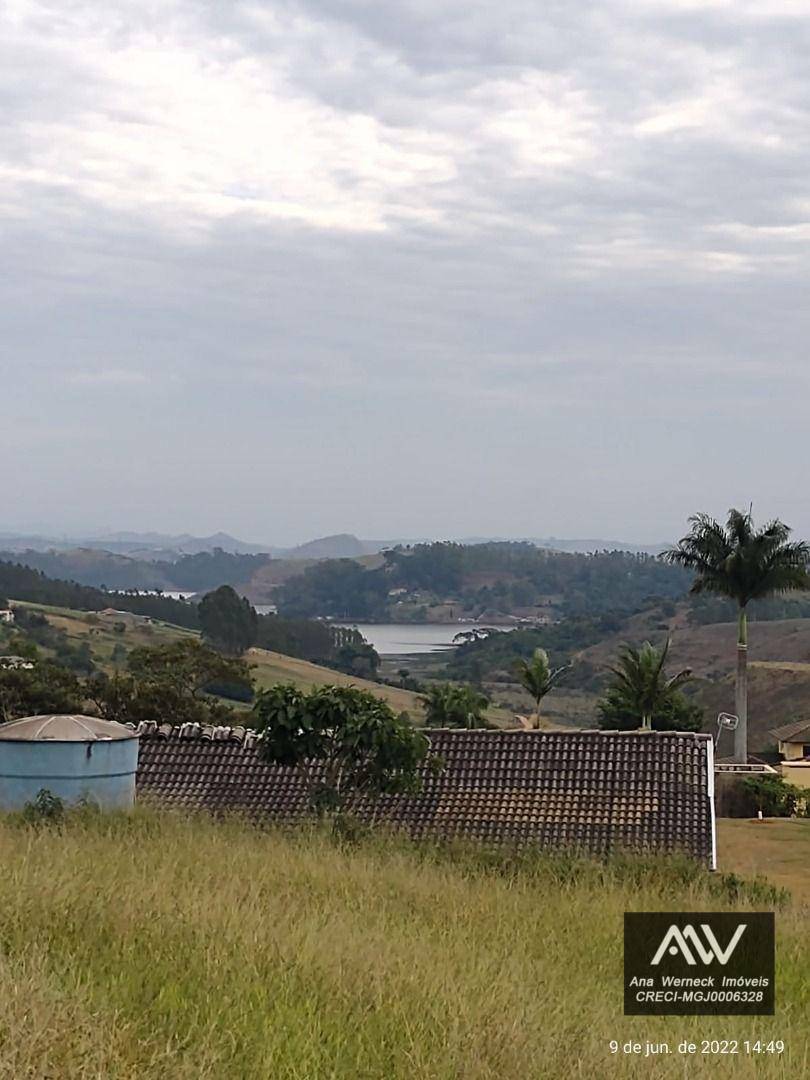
57 728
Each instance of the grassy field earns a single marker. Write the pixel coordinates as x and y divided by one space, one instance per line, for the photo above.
182 949
778 849
269 667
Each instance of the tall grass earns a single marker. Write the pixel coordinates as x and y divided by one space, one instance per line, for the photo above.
157 946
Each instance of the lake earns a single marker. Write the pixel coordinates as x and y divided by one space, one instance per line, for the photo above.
394 639
401 639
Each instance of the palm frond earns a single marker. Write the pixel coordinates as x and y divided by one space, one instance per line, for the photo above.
740 562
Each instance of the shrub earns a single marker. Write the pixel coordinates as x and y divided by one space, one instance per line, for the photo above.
772 795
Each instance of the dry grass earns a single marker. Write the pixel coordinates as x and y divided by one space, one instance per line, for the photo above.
778 848
162 947
270 668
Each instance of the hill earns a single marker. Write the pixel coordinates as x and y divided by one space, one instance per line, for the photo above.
498 582
710 650
157 946
93 567
269 668
263 585
779 666
340 546
101 569
146 545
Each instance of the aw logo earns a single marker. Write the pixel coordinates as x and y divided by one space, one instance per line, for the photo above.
679 941
686 963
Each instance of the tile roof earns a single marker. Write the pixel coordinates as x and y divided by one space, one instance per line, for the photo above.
798 731
598 791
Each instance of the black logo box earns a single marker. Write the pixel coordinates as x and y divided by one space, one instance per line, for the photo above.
646 984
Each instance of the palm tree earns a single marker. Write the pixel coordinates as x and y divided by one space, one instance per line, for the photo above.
454 705
537 678
743 564
640 686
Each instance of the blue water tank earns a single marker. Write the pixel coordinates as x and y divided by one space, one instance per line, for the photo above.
74 757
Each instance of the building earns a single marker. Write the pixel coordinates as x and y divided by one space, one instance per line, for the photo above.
595 791
128 618
793 741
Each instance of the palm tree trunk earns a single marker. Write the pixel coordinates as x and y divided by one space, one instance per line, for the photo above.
741 691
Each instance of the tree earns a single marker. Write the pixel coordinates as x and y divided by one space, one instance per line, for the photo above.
677 713
44 688
537 678
742 564
127 700
640 694
228 621
173 683
189 666
343 741
450 705
357 658
772 796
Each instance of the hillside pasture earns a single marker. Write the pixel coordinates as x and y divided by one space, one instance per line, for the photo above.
269 668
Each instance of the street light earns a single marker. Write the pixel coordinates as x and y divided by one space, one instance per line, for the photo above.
725 722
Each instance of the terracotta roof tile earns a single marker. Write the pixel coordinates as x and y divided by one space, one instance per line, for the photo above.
797 731
600 791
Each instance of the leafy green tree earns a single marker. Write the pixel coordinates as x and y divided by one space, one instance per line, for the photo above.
537 678
229 622
343 741
189 666
45 688
449 705
677 713
772 796
20 644
173 683
125 699
308 639
640 694
743 564
360 660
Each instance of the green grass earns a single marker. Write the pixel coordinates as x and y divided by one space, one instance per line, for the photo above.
158 946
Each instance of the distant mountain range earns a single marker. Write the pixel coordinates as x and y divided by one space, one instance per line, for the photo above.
149 545
152 546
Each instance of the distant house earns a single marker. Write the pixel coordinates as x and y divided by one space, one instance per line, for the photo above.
6 615
593 791
793 741
127 617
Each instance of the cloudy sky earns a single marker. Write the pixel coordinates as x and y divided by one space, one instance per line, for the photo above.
424 267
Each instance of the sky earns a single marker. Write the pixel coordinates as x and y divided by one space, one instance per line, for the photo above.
442 268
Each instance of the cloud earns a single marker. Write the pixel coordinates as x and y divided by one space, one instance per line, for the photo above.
425 239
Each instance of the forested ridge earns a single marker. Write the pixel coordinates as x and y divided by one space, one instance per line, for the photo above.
504 576
24 583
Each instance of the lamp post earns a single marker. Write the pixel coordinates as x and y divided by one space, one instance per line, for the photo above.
725 721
